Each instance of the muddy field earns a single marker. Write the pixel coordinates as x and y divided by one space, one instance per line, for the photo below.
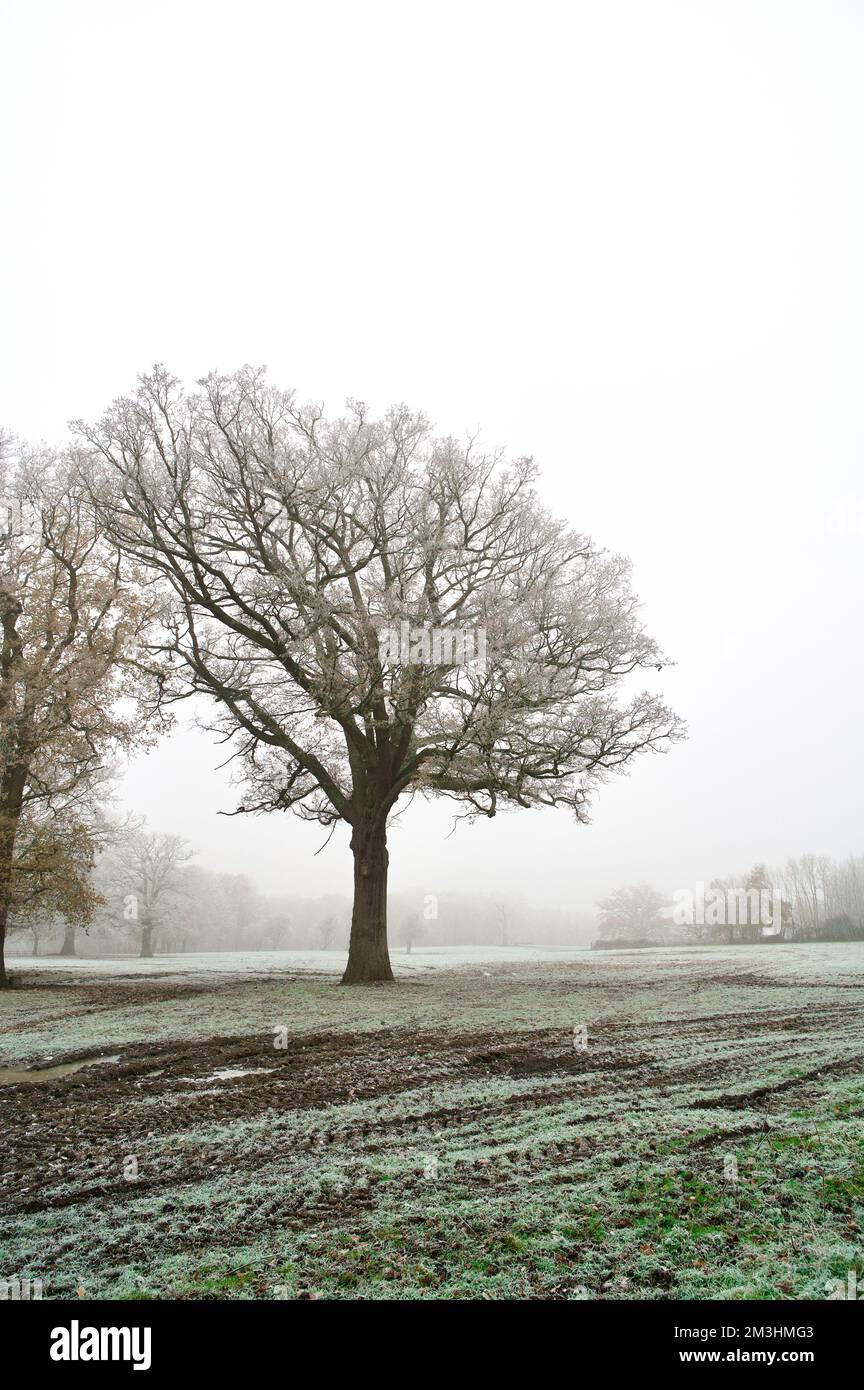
643 1125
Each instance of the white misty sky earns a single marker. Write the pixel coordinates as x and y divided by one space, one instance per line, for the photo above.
625 238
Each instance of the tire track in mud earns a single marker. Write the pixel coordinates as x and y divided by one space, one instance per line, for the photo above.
741 1100
69 1124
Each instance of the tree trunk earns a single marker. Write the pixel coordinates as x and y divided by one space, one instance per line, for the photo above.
4 979
68 947
146 942
16 767
9 823
368 957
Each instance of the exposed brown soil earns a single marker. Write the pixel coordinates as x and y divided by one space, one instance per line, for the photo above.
302 1158
73 1131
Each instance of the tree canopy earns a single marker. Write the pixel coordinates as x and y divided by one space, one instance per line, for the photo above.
301 551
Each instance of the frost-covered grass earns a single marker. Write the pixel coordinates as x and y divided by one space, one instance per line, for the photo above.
233 994
826 959
281 964
459 1146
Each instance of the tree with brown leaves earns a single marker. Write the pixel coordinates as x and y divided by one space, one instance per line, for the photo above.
73 684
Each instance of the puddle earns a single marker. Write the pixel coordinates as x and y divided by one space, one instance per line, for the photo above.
31 1076
229 1073
223 1074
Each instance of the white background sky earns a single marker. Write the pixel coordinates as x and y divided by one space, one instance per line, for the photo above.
626 238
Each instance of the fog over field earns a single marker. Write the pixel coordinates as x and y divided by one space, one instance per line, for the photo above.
661 307
431 755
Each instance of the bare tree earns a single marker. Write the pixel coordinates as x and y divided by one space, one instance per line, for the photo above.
146 868
822 890
277 931
848 889
504 922
631 914
811 883
70 686
326 929
374 611
243 907
411 929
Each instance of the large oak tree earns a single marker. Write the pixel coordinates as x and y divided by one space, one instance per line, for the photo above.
294 544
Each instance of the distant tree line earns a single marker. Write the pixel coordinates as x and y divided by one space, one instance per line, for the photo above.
819 899
138 893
